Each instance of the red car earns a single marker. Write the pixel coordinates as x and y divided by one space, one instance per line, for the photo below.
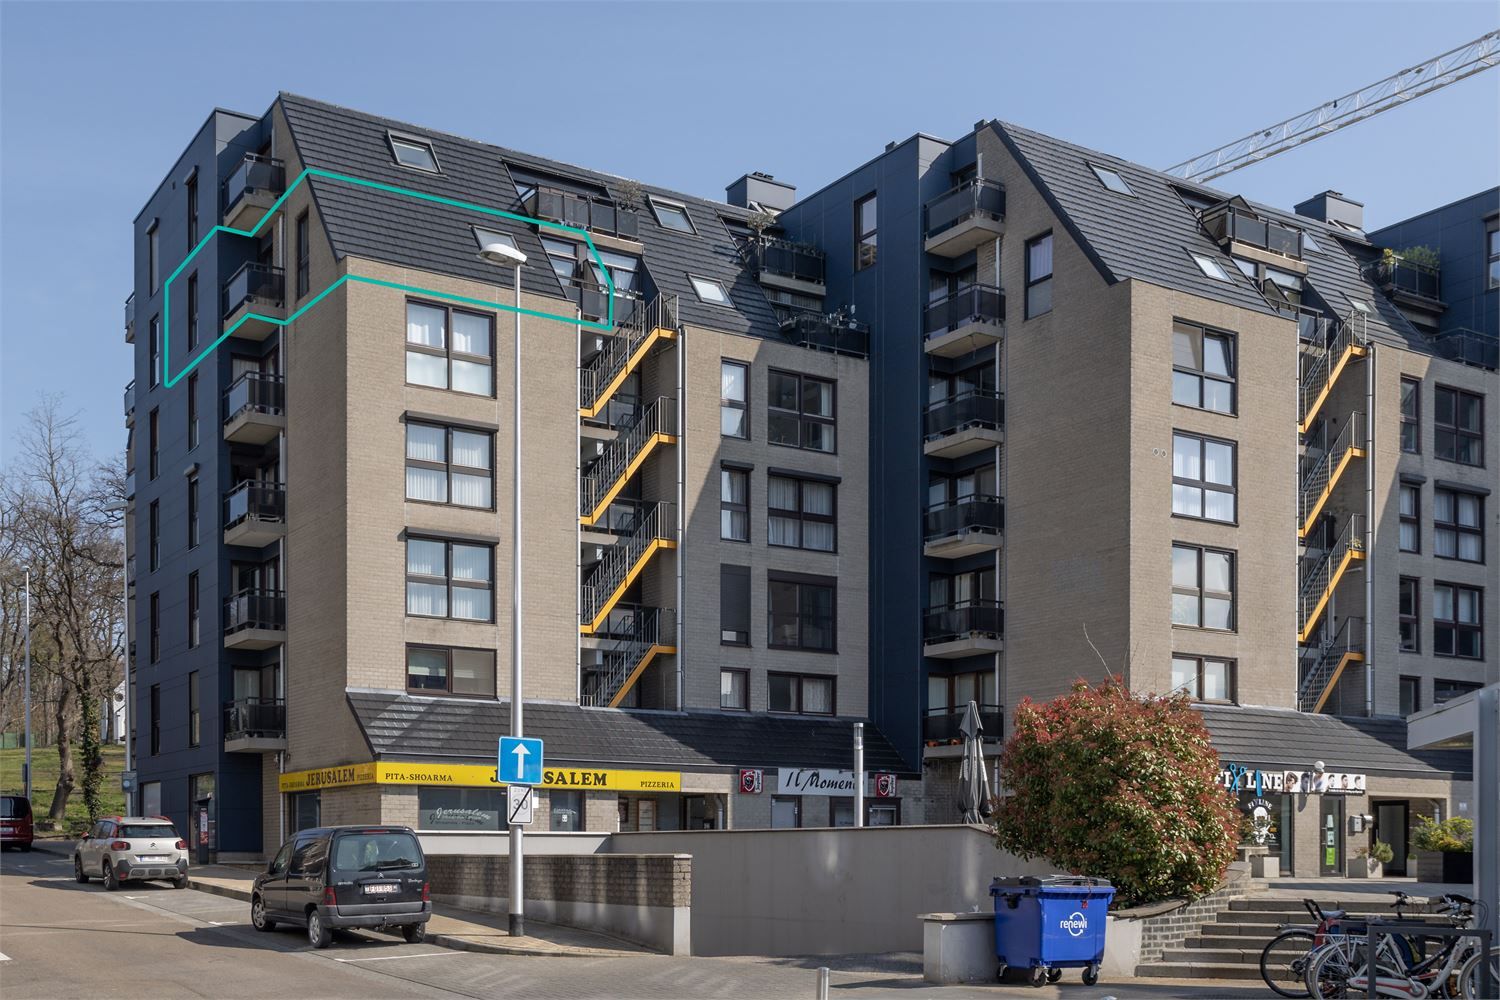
15 822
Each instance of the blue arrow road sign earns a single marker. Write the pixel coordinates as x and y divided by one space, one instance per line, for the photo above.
520 761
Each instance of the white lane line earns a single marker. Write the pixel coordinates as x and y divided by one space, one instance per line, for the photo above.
387 958
4 957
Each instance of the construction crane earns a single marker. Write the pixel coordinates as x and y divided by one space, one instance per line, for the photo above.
1481 54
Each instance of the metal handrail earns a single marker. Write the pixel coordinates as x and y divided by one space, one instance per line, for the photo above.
264 392
254 173
1230 222
826 332
602 368
1402 275
601 215
129 311
255 608
941 724
970 408
253 282
659 417
961 202
130 397
1315 583
972 303
976 512
960 618
1350 332
1350 638
1468 347
652 627
1351 435
789 258
264 501
658 523
264 717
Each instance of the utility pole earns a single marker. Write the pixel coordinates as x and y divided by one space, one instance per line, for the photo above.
26 767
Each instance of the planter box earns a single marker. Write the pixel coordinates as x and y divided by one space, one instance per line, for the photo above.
1356 867
1449 867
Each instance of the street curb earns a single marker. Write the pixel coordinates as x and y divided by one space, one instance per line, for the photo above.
219 890
485 948
63 848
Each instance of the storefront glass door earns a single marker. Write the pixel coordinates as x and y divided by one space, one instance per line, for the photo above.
1391 820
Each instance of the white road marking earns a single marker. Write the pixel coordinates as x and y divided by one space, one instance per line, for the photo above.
4 957
387 958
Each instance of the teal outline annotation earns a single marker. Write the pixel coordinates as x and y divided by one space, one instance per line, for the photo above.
169 380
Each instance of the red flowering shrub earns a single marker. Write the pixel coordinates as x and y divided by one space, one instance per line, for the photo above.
1106 783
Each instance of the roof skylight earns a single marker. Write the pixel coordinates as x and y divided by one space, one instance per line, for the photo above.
1209 266
1111 180
414 153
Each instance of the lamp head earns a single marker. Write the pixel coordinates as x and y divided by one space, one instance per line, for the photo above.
502 253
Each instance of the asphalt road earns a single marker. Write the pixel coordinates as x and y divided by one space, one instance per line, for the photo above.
61 939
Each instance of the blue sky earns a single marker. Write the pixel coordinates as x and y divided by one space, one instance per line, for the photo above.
97 100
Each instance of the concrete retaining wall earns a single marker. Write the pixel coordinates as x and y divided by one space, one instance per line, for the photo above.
642 898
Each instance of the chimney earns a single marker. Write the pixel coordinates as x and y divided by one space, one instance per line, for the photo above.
1332 206
762 189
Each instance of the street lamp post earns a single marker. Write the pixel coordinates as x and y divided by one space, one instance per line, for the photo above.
26 768
503 253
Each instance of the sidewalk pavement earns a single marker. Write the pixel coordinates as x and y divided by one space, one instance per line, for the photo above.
1364 891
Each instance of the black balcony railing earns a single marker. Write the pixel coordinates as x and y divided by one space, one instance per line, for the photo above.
255 174
621 517
253 284
255 500
262 609
1411 278
130 317
1469 347
969 200
974 304
598 215
593 302
1230 222
263 717
963 618
971 513
941 725
620 413
789 259
258 392
130 398
974 408
826 332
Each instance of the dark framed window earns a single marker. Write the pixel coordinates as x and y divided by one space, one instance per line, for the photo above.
1203 368
192 409
1411 416
866 232
734 690
1457 621
801 612
734 605
1203 678
800 694
153 257
564 810
734 391
192 518
1457 525
1408 616
192 312
1492 251
155 627
1039 275
1410 537
1202 587
303 255
450 670
195 719
1458 426
153 444
415 153
449 465
671 215
194 611
450 349
1411 695
801 411
801 513
1203 477
155 374
446 579
192 212
734 504
1448 690
153 527
155 702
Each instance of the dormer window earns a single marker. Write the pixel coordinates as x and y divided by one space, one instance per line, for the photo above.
414 153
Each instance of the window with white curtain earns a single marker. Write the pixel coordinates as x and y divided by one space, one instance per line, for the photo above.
802 694
1203 477
733 380
800 513
449 349
734 504
1458 525
1410 537
448 579
449 465
1202 587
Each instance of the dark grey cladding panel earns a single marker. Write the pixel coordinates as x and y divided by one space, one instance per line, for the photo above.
1148 236
368 223
400 725
1290 739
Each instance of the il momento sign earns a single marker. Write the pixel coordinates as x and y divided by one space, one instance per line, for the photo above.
475 776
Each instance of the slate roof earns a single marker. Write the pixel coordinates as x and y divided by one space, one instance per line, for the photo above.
1148 236
401 726
1283 738
378 226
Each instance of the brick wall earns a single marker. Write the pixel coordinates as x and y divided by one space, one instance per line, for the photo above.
1171 929
618 879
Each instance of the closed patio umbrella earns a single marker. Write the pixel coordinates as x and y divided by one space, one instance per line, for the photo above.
973 787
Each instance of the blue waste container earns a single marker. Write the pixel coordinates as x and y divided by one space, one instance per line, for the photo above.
1049 924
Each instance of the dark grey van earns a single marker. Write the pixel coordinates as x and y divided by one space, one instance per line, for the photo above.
345 876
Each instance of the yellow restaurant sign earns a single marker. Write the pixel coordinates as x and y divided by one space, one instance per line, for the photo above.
475 776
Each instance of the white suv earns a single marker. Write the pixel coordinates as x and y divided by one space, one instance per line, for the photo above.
122 848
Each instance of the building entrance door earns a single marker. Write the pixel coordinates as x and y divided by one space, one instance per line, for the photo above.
1331 835
1391 824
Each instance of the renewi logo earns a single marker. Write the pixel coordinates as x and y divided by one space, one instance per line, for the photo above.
1075 924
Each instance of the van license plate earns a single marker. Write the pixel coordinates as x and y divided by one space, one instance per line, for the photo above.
376 890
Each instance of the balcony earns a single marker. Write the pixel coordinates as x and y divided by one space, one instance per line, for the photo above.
964 322
1242 233
255 619
827 332
793 267
251 190
1468 347
940 726
257 725
619 413
597 215
130 318
965 628
130 484
254 301
130 404
963 527
255 408
130 572
969 215
963 424
255 514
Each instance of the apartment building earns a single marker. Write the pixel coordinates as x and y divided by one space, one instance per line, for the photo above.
1131 425
321 447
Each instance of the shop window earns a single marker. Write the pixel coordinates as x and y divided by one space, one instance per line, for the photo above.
565 810
460 808
306 807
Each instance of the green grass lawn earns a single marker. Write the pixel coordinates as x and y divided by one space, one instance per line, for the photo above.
44 779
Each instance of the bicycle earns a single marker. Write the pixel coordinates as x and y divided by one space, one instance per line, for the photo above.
1299 942
1400 970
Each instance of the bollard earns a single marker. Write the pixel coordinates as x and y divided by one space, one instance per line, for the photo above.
823 982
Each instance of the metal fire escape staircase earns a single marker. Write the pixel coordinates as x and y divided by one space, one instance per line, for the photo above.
1348 342
1346 647
649 633
624 456
623 563
631 344
1319 583
1319 483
